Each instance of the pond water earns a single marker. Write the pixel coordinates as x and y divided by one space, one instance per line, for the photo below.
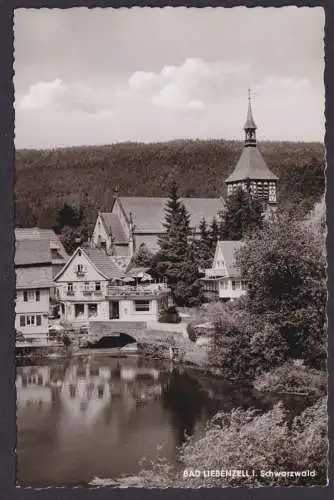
98 415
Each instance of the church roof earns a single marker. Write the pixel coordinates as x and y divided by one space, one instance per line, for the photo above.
113 225
251 165
149 213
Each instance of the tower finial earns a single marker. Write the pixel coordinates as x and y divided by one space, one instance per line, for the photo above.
250 127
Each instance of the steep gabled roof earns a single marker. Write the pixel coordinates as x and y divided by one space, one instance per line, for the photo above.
104 263
32 252
33 277
113 226
251 165
149 213
228 250
35 233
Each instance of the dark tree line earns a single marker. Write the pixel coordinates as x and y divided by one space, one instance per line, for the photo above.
46 179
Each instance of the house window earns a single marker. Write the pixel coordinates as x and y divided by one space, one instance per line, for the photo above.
38 320
30 320
79 268
236 285
70 287
79 310
22 321
92 310
29 295
97 286
86 286
38 295
142 305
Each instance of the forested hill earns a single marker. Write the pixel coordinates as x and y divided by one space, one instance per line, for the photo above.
45 179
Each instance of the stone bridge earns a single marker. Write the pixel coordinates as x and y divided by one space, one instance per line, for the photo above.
140 331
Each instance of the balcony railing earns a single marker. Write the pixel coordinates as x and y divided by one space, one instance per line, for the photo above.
70 292
139 290
214 273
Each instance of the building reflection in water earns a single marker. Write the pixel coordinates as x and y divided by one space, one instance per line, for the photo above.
33 386
98 415
84 394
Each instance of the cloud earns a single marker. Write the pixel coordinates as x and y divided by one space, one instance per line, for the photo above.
185 86
58 96
141 80
42 94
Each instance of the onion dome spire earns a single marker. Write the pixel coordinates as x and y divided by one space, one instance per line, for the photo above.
250 126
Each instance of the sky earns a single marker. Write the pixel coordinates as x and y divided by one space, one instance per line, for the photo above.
101 76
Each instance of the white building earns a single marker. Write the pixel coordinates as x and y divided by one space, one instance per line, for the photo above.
92 287
33 269
223 281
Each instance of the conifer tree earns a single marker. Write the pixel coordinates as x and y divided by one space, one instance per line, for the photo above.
243 214
188 290
203 246
173 244
214 234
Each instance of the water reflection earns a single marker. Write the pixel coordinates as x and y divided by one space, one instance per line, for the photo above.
99 415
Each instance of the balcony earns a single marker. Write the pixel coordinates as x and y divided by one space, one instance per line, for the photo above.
70 293
80 274
138 290
215 273
87 292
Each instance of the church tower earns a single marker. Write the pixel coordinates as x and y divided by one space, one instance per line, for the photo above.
251 172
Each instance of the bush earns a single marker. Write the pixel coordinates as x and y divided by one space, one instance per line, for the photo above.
260 442
191 331
170 315
293 377
245 345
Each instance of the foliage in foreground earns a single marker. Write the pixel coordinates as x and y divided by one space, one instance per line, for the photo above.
247 440
285 264
244 345
293 377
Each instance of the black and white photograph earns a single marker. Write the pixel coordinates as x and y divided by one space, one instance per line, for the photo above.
170 247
